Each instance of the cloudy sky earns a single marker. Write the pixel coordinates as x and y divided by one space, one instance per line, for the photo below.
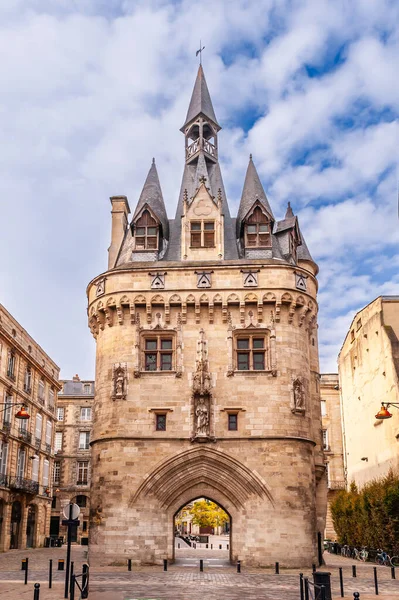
93 89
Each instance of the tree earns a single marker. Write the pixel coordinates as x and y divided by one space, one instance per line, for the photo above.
206 513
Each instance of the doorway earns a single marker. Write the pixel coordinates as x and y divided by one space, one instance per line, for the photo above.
16 514
31 526
202 530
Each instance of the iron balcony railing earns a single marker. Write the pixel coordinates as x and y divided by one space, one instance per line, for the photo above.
25 435
4 480
48 448
25 485
6 426
11 375
38 442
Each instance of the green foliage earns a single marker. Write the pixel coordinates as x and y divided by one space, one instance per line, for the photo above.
206 513
370 516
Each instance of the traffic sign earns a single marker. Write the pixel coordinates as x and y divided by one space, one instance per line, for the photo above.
75 511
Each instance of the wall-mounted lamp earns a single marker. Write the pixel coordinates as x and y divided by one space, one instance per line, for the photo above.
384 413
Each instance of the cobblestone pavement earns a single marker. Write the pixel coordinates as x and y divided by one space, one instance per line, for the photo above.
183 583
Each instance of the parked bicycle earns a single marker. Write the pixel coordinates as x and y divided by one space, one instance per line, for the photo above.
384 559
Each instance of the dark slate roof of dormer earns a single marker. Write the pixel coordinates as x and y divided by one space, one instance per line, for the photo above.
303 251
152 196
200 101
252 191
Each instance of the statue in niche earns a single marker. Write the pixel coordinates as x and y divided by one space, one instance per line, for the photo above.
202 391
299 396
202 417
119 381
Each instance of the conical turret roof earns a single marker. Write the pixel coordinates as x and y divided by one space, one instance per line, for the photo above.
200 101
252 191
152 196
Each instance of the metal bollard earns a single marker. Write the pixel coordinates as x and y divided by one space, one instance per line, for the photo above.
356 595
375 581
23 565
61 564
322 593
353 570
165 564
227 547
301 589
238 566
313 567
201 565
393 576
341 582
85 581
277 568
50 574
72 587
206 545
129 564
36 593
26 570
220 546
211 546
306 580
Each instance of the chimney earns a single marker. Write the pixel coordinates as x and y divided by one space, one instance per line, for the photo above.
76 378
120 211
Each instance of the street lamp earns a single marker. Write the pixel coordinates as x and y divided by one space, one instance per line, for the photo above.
21 414
384 413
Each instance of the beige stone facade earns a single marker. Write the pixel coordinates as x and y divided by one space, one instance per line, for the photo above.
332 442
368 366
29 377
72 463
207 373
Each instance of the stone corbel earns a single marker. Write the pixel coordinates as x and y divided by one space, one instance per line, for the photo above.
132 314
230 350
210 309
119 312
242 312
278 311
260 312
291 311
137 348
184 312
149 312
224 312
108 316
197 312
167 312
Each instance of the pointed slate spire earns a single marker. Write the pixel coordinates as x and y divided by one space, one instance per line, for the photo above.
289 213
252 191
200 101
152 195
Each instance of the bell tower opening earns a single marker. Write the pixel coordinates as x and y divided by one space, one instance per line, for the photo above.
202 530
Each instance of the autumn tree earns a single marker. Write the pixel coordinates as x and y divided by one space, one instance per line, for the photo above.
206 513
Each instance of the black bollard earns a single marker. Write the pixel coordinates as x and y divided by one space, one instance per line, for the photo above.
353 570
61 564
85 581
227 547
375 581
356 595
341 582
36 593
238 566
306 582
50 574
277 568
129 564
165 564
26 570
220 546
211 546
313 568
178 545
206 545
393 576
301 590
323 580
201 565
23 565
72 587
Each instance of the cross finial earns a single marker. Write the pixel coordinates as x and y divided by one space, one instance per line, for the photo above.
201 48
202 179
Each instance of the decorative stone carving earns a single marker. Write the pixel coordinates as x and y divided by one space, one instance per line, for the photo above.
300 282
250 278
100 287
204 279
157 281
298 396
119 382
202 392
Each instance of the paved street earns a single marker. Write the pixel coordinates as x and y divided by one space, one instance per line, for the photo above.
182 582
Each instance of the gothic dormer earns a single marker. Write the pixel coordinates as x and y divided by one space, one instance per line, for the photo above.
201 127
288 235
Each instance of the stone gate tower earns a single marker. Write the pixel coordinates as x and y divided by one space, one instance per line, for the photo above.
207 367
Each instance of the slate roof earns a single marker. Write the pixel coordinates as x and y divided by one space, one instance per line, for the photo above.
152 195
200 101
252 190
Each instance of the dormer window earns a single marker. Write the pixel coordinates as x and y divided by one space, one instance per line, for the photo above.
202 234
146 232
257 230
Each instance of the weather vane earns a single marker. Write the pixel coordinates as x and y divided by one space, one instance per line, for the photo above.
201 48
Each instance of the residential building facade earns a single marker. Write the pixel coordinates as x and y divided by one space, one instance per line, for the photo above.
28 377
72 468
207 371
368 366
332 442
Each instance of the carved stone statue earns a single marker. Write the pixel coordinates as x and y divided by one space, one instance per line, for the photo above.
202 417
119 382
299 396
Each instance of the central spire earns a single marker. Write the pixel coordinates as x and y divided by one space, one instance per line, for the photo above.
201 102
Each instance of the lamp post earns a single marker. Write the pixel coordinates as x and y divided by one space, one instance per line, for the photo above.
384 413
21 414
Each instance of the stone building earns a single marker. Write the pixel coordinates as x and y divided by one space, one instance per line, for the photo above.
207 367
28 377
71 475
368 366
332 442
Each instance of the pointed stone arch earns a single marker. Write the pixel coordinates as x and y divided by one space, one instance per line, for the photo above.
190 299
157 299
124 301
204 299
175 299
217 299
202 466
287 298
139 299
233 299
251 297
269 297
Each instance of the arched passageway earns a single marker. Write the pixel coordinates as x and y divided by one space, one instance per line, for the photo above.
31 526
16 516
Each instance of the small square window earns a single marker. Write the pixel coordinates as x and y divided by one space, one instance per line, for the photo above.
259 343
151 344
195 226
166 362
259 361
160 422
140 231
166 344
150 362
251 228
243 361
243 344
209 226
233 422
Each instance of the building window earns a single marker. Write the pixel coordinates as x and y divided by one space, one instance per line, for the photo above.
202 234
58 441
252 353
83 473
54 502
84 440
85 413
21 463
46 469
51 398
257 230
49 433
81 501
57 473
323 405
11 365
3 458
158 353
232 421
28 380
60 414
84 528
160 422
146 232
40 391
38 430
325 439
35 468
87 388
7 410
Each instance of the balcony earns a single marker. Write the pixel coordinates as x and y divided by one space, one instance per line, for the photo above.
51 408
40 399
25 435
6 426
38 442
195 147
11 375
82 482
27 388
24 485
48 448
4 480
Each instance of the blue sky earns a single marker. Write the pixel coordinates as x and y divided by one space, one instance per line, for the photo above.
92 90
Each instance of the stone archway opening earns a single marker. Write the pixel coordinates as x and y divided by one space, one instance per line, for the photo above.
16 517
202 530
31 526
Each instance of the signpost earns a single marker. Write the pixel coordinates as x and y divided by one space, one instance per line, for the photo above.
71 512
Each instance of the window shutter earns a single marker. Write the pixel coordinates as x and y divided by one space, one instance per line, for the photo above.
45 472
21 463
48 432
35 469
38 429
3 457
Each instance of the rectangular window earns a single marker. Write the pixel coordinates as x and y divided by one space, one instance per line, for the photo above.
38 427
28 380
87 388
84 528
84 440
7 410
11 365
323 408
60 414
325 439
3 457
85 413
251 353
146 232
83 473
160 422
51 398
21 463
158 353
202 234
233 422
58 441
35 468
46 467
40 391
49 431
57 473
